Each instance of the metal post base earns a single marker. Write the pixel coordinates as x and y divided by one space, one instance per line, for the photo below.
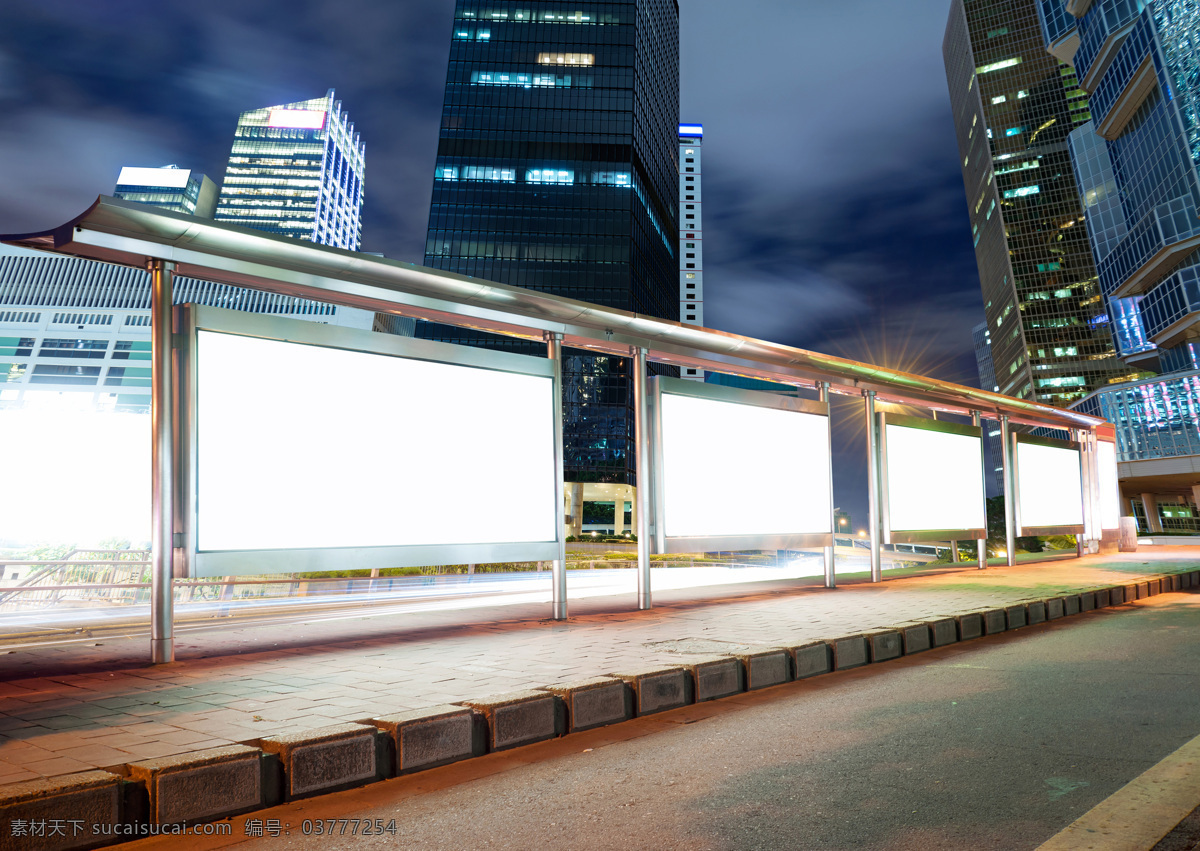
162 651
644 602
830 578
558 606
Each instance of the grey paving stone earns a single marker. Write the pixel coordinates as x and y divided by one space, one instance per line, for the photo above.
517 718
1054 608
594 702
944 631
1015 616
1036 612
770 666
426 738
90 797
969 626
917 638
1071 605
1087 601
204 784
811 659
717 676
885 644
849 652
1103 598
326 758
994 621
659 689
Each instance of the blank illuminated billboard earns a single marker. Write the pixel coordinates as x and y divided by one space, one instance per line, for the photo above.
740 469
1049 485
1110 495
304 446
934 478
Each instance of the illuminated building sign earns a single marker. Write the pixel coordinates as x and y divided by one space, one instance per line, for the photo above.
297 119
174 178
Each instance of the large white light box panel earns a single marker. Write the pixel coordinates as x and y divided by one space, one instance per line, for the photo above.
934 476
303 447
1049 486
74 476
1110 489
732 469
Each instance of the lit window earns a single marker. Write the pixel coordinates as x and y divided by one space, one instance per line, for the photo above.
566 59
999 99
549 175
447 174
612 178
483 35
1022 94
996 66
475 172
1022 191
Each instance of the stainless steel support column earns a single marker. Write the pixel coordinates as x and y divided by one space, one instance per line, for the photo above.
874 475
830 576
981 544
162 460
1010 492
558 578
954 552
644 485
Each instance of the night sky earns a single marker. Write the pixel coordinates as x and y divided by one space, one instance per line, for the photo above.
834 206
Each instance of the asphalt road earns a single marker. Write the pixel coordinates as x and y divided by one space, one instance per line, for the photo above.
997 743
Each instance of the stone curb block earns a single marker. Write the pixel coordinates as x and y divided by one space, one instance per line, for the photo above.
89 797
594 702
427 738
944 631
809 660
993 621
1016 616
205 784
1195 577
517 718
1103 598
1087 601
658 689
770 666
1173 579
1071 605
917 638
716 676
1131 592
969 626
1155 586
884 644
325 759
1054 608
1143 590
1035 612
849 652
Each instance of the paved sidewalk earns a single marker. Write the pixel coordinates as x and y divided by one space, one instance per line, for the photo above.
59 715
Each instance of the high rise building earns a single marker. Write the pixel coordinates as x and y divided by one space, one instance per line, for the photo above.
297 170
556 171
982 338
1013 107
172 188
691 234
1136 163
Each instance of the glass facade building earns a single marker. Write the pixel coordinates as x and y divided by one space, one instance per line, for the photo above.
982 339
1014 105
691 233
556 171
297 170
172 188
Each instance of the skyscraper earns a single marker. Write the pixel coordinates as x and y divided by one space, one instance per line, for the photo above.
297 170
691 234
987 381
1013 106
556 171
1136 163
169 188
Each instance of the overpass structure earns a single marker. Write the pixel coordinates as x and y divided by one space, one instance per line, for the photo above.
925 474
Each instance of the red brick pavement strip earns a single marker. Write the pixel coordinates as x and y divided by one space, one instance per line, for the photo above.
68 722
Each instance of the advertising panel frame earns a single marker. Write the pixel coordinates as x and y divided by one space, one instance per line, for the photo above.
190 319
1070 529
1101 439
659 386
916 536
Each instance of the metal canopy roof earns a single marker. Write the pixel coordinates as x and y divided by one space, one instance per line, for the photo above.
129 234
